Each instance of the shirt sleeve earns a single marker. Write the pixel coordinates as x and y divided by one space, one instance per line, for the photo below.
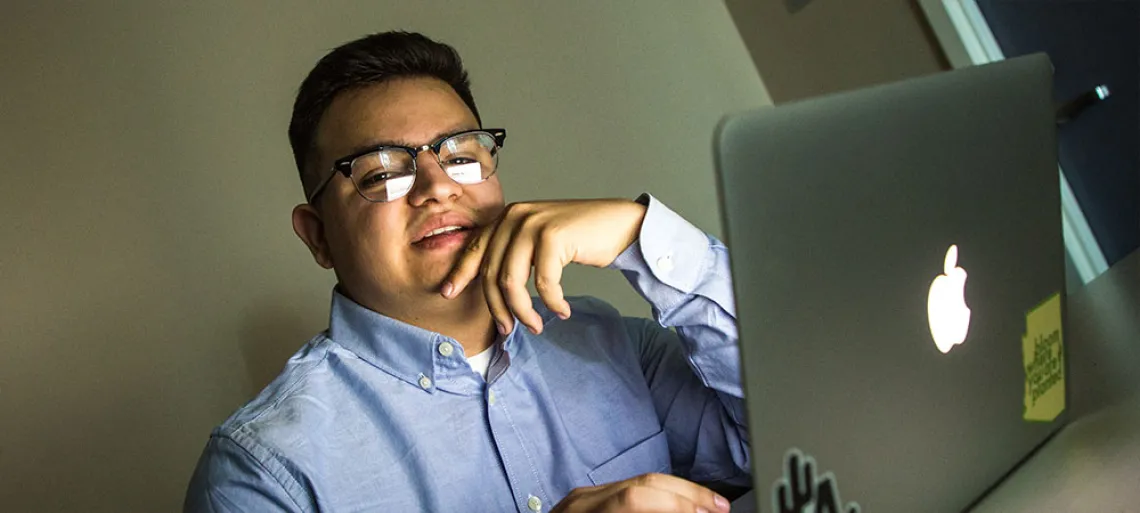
229 478
694 371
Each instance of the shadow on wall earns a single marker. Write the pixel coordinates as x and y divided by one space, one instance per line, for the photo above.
795 5
84 438
271 333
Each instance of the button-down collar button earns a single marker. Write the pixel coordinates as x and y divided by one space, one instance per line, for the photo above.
425 382
446 349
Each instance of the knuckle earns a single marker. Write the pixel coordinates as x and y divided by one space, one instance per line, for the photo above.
543 284
507 280
631 496
648 479
551 233
531 222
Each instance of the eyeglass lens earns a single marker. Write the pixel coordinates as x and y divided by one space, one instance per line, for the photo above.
388 174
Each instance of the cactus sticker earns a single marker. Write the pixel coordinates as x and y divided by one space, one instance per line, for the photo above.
800 490
1043 355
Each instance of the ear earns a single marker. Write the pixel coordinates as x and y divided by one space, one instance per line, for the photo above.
310 228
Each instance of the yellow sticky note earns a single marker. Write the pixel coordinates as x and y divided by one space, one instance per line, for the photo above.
1042 351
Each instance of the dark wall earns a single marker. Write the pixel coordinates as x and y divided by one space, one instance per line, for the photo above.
1091 42
806 49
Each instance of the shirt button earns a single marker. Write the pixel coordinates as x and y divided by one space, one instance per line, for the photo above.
534 503
665 263
446 349
491 397
425 382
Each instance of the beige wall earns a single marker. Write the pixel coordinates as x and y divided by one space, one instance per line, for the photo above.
149 278
835 45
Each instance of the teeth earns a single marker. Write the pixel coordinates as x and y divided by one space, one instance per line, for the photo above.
445 229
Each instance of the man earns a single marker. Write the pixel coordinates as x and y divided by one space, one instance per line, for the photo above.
441 385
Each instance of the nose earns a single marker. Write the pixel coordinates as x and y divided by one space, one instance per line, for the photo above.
432 182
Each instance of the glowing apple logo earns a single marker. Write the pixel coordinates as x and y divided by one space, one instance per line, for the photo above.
946 305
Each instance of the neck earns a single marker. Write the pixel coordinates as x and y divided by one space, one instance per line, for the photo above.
465 318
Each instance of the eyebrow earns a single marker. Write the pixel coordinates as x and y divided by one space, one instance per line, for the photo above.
405 143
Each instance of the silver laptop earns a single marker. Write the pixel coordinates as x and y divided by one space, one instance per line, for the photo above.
858 224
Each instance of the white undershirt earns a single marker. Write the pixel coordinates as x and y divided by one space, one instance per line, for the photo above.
481 361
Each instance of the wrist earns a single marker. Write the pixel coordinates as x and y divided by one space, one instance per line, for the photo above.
637 211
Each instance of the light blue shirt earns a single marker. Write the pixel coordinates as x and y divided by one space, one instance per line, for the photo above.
378 415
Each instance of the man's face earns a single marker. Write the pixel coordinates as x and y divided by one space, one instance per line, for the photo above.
381 257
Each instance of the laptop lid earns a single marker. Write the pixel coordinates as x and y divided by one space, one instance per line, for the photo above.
840 213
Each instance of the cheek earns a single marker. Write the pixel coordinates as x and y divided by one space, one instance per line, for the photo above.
488 196
374 233
381 232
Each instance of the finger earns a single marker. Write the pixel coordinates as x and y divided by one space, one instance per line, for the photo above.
548 265
513 276
646 499
492 266
587 498
693 492
467 268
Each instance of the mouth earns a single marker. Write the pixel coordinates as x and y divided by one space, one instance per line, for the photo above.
444 237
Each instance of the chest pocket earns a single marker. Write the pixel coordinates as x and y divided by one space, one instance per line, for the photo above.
647 456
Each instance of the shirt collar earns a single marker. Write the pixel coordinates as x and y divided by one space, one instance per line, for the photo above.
407 352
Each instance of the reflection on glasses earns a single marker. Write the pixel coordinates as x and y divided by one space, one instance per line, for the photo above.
387 173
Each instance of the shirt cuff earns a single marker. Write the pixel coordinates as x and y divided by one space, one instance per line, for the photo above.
668 246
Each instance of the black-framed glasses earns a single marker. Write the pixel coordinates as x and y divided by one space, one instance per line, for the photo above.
387 173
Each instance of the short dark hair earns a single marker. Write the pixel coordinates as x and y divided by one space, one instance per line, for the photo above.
367 61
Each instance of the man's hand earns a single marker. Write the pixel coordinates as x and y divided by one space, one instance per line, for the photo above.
650 493
545 236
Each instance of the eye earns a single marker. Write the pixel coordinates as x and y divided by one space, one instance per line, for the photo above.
374 179
459 160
